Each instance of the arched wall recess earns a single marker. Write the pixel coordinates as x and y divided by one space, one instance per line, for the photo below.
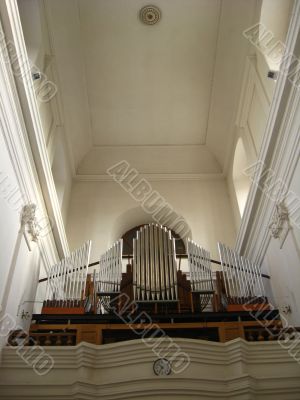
131 234
137 216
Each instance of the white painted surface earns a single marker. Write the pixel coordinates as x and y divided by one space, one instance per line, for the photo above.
151 159
231 55
283 260
237 370
279 154
283 264
149 84
251 122
275 16
19 267
97 210
240 181
39 48
62 175
124 83
294 204
10 204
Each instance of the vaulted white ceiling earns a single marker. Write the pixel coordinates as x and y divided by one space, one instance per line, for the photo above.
164 97
149 85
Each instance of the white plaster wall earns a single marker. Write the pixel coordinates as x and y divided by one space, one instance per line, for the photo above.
9 214
19 267
257 91
40 53
62 175
284 261
275 16
284 268
283 264
37 45
294 205
251 121
96 209
22 294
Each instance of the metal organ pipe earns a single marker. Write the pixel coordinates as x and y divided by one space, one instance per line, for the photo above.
110 269
154 261
200 272
242 278
67 279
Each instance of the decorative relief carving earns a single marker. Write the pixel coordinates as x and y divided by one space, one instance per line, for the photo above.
280 224
29 223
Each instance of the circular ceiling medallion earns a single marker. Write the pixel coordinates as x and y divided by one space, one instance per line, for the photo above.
150 15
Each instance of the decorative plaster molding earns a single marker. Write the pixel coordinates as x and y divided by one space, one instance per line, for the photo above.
125 371
29 223
280 225
153 177
150 15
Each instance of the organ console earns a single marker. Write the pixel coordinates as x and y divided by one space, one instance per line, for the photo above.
152 282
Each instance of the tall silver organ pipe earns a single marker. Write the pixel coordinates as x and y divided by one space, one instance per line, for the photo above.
200 272
110 269
154 265
242 278
200 268
67 279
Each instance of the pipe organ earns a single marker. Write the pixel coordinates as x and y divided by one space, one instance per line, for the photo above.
154 265
153 277
153 284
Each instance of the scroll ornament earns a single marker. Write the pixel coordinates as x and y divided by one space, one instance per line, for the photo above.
29 224
280 225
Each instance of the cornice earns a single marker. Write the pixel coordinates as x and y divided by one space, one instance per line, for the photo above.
154 177
148 146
